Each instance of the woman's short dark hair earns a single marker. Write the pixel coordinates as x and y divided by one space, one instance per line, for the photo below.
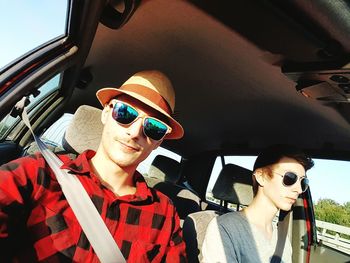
273 154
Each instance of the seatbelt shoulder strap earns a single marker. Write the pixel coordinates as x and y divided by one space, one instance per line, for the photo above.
86 213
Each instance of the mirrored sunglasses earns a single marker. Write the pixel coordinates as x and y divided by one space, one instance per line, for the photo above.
290 178
125 114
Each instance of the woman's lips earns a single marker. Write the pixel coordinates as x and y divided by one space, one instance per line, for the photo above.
292 200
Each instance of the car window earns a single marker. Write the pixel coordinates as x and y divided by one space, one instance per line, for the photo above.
9 122
32 24
329 184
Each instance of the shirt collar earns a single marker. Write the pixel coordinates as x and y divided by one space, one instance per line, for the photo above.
143 192
81 166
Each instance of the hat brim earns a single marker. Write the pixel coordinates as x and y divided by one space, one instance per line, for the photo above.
106 94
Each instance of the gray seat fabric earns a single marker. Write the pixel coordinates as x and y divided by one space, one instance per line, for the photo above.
163 169
78 133
234 185
194 228
84 131
163 175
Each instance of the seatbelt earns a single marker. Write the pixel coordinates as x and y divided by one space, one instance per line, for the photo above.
88 217
283 227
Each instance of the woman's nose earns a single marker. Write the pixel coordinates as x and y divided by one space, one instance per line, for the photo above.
297 187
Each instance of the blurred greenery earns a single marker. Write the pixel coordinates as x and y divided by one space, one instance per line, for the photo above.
330 211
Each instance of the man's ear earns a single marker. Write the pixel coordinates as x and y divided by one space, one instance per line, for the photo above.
259 176
104 115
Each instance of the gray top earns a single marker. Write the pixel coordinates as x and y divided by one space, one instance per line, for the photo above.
231 238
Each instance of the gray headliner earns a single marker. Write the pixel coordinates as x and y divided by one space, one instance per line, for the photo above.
230 93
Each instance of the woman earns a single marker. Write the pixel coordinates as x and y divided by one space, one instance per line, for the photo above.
250 235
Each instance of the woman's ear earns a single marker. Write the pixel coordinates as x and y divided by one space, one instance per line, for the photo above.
259 176
104 115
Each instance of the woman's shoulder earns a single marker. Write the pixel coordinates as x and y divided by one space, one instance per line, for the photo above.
229 223
234 215
232 220
231 227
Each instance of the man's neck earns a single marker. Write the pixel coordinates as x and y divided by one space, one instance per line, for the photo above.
119 180
261 213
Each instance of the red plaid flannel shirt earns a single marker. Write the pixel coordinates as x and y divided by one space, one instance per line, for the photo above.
38 225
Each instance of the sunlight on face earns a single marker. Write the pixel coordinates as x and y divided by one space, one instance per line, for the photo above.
126 145
283 197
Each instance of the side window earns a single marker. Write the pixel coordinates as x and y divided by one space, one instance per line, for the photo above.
243 161
329 185
8 123
30 24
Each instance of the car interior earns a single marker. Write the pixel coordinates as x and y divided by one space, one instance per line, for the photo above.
247 74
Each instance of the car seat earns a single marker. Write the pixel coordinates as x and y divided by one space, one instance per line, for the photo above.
163 175
73 134
84 131
234 185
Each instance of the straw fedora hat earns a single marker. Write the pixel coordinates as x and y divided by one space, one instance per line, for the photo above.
152 88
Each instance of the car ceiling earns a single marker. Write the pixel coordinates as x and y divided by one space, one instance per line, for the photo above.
225 63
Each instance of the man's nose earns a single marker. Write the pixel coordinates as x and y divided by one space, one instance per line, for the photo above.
135 129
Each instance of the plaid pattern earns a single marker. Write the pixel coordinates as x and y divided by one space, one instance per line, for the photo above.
37 224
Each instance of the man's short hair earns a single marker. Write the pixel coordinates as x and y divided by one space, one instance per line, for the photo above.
273 154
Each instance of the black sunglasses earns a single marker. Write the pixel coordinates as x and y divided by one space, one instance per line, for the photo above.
290 178
153 128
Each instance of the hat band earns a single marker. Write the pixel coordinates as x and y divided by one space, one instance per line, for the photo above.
149 94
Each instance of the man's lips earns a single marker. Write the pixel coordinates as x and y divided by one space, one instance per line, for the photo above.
129 147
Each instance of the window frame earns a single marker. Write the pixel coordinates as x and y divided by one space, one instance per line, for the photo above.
35 104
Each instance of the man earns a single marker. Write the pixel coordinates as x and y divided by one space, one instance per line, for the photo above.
250 235
38 225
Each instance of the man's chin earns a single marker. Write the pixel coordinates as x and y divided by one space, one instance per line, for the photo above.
127 162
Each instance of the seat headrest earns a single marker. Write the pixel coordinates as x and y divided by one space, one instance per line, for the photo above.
84 131
164 169
234 185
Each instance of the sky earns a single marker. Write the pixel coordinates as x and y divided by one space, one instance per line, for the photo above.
27 24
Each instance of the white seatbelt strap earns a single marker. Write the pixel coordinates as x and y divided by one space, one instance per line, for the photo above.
90 220
283 227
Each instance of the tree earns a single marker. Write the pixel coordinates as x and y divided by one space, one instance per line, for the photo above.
330 211
347 207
